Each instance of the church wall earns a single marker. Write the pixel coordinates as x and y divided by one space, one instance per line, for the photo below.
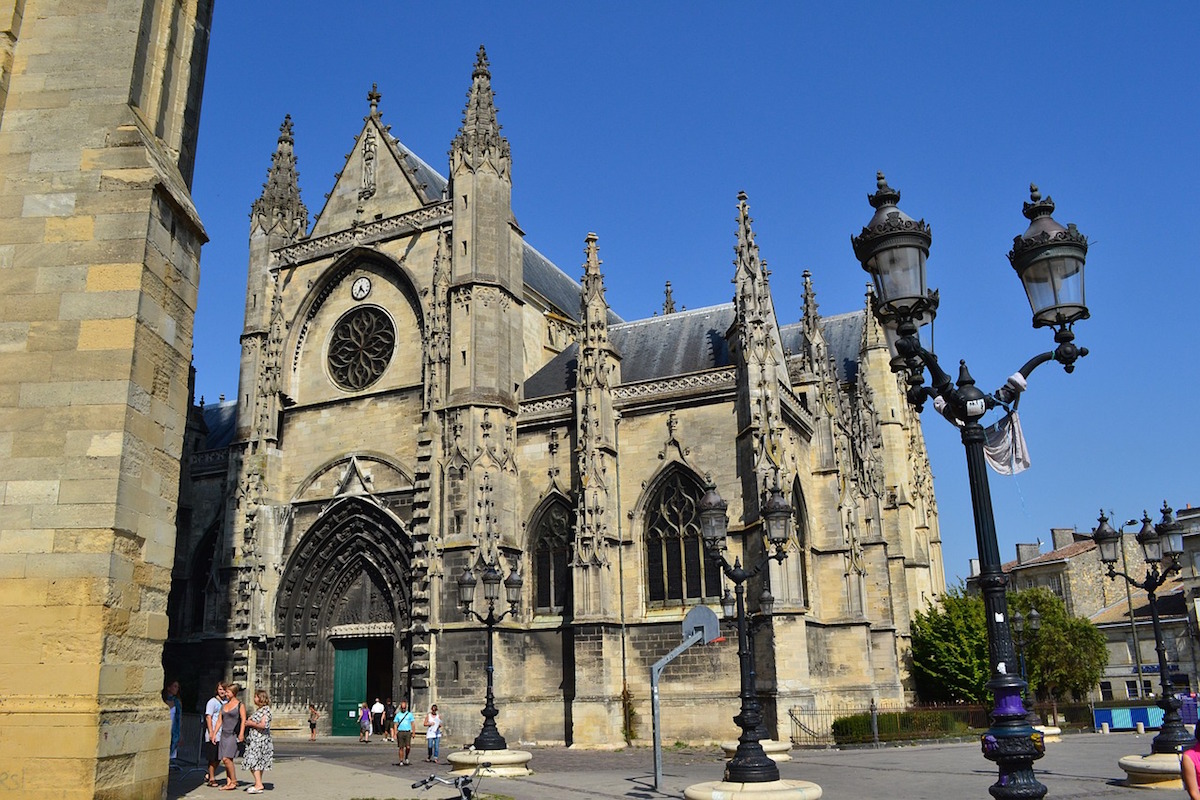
313 436
695 690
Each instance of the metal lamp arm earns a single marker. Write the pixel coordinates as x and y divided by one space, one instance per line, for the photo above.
741 574
491 619
941 384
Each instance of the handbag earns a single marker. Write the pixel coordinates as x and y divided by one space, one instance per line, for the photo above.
241 748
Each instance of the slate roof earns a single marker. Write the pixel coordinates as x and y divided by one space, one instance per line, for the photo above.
435 184
221 419
691 341
843 336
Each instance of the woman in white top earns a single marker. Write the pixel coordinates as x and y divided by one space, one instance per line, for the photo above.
433 733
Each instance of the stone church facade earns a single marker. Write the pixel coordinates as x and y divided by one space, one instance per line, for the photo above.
422 392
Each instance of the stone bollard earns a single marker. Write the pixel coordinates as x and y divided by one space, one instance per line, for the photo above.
1141 728
1104 727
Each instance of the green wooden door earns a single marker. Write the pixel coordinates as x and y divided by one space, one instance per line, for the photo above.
349 686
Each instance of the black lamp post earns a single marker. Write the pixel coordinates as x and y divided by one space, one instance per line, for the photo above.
1024 635
1158 541
750 763
1049 260
489 737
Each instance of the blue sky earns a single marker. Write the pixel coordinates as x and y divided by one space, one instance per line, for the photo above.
642 121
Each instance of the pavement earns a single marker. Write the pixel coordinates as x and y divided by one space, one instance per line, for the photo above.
1080 766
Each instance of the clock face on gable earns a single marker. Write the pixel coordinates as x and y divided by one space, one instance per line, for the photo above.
360 288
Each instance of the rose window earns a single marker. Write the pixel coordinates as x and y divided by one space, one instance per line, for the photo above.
361 347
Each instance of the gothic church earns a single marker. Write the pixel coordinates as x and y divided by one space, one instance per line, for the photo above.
422 392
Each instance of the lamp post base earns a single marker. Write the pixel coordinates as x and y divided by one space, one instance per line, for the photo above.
1155 771
770 790
504 763
776 751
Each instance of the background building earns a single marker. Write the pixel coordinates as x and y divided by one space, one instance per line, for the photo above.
421 389
1073 571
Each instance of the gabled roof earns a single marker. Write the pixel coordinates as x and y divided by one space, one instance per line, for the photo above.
1061 554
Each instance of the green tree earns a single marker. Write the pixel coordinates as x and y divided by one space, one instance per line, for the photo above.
1067 655
949 650
950 654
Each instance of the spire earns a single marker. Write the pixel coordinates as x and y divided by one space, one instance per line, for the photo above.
749 268
811 317
479 135
593 305
753 306
668 301
279 209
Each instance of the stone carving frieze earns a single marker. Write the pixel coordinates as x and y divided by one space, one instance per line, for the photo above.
422 219
714 379
553 404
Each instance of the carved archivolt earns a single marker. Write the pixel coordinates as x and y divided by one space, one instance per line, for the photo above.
351 567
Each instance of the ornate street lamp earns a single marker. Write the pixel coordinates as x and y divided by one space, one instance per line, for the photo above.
750 763
1164 540
1024 636
1048 259
489 737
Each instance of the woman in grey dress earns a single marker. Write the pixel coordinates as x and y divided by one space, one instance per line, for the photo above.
233 729
260 750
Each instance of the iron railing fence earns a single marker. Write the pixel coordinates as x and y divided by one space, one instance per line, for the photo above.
865 724
855 724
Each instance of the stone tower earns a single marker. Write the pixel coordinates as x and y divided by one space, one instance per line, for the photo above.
99 265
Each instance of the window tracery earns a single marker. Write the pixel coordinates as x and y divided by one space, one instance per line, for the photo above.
361 347
551 558
677 572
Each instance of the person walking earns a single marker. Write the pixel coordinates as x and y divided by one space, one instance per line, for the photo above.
313 716
260 749
212 731
364 722
233 732
377 717
403 723
433 733
389 716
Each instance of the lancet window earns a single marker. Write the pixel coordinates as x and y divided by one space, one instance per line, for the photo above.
677 571
552 535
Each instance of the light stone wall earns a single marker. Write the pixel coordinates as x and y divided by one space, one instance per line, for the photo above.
99 251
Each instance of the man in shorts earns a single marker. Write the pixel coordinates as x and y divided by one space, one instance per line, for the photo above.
212 731
404 730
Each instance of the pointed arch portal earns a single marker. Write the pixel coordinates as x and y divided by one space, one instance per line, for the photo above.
342 611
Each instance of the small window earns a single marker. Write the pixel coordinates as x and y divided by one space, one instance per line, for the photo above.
1131 690
1106 692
